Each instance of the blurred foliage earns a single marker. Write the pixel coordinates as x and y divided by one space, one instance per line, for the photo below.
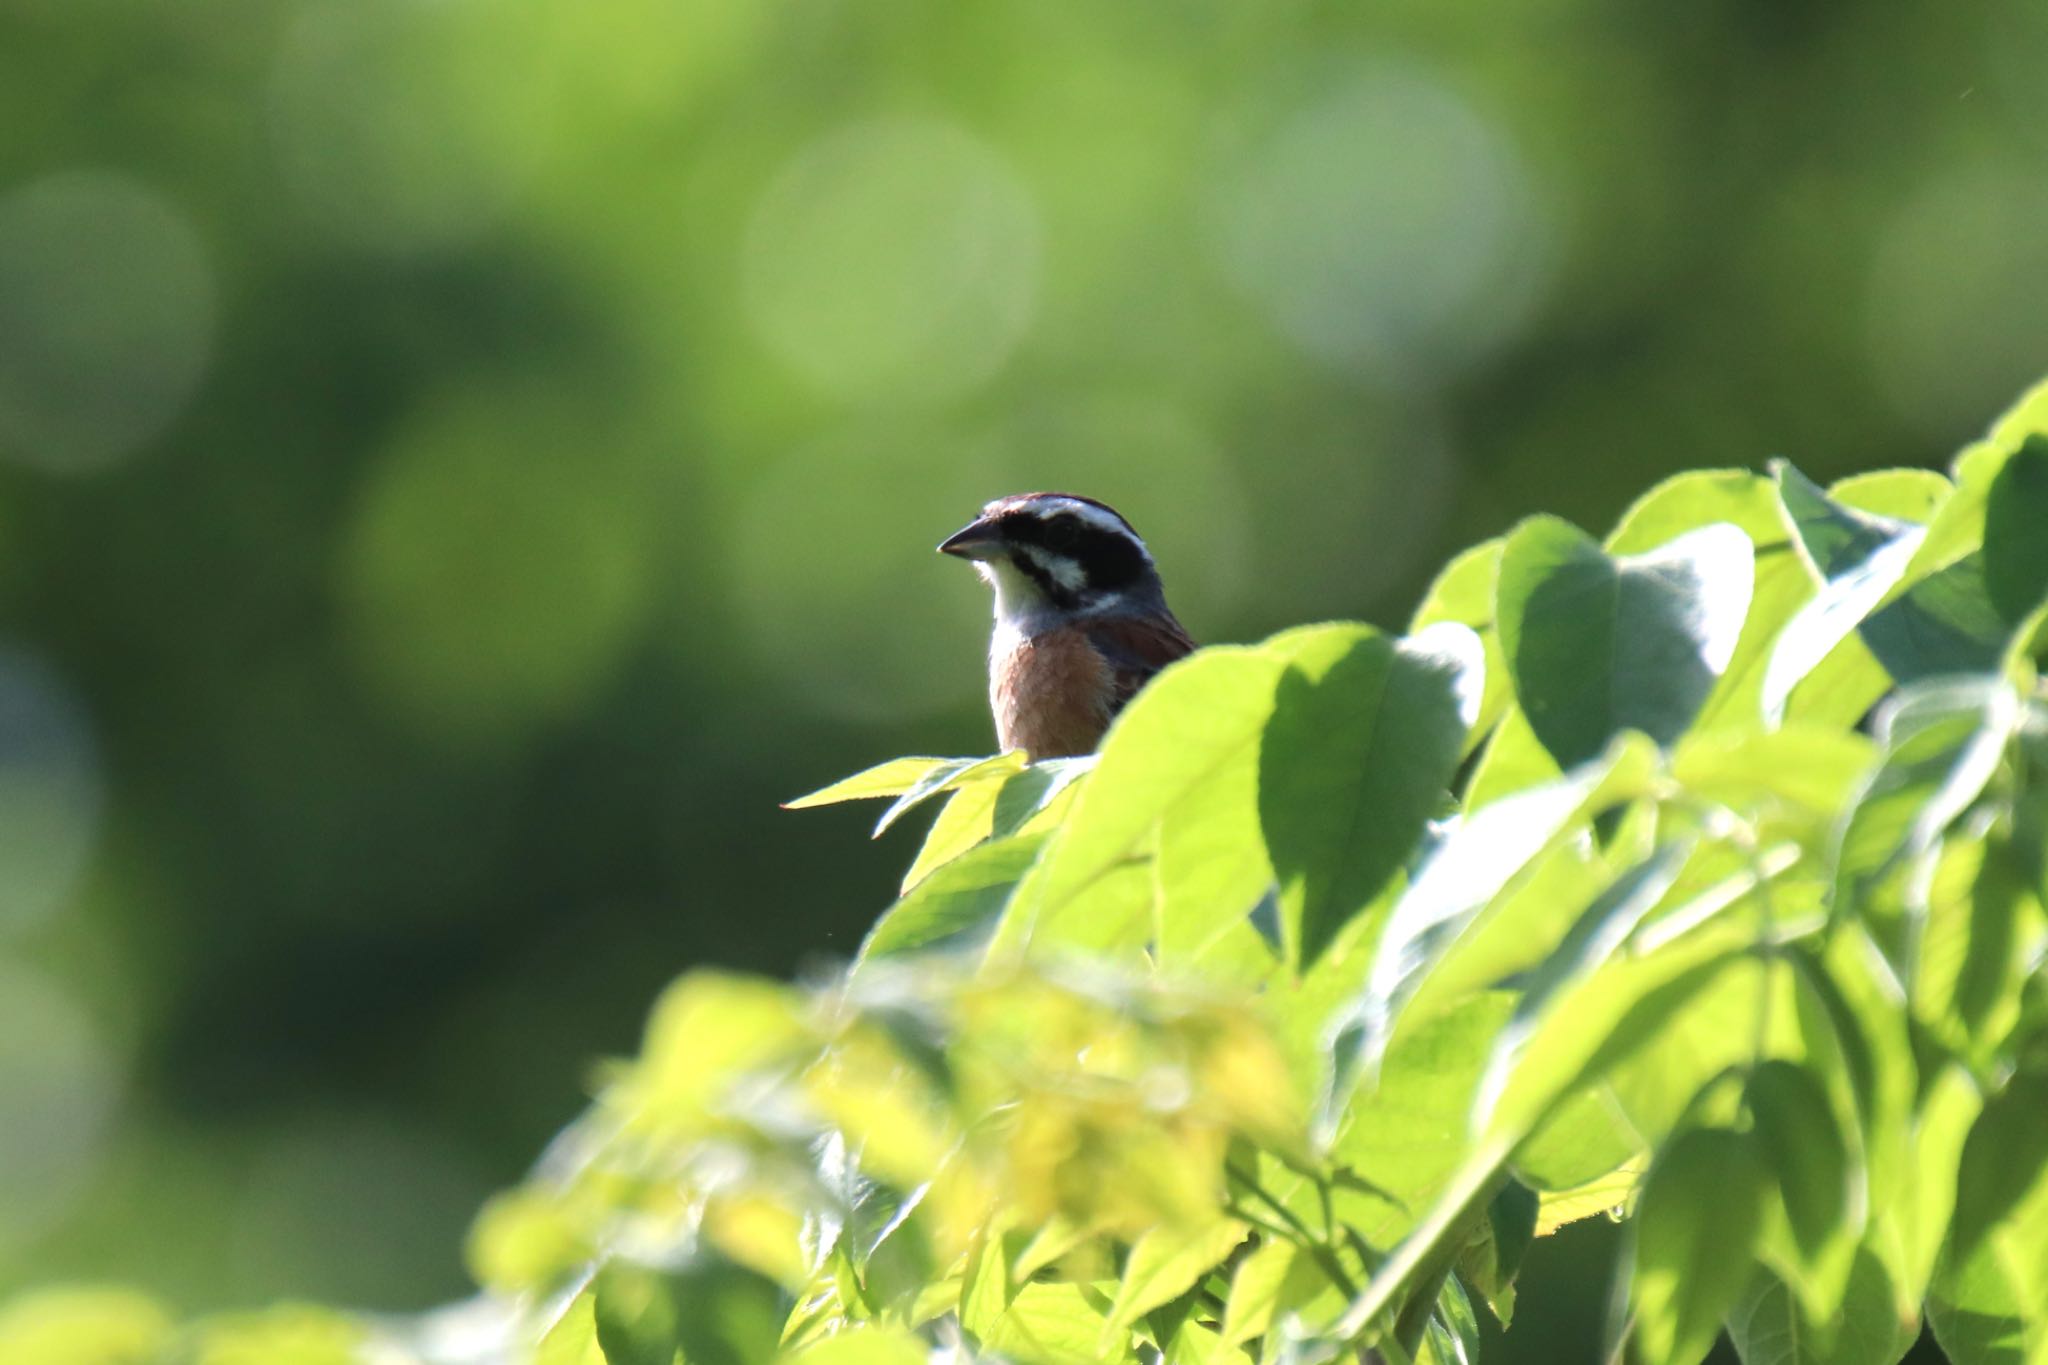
461 462
1231 1045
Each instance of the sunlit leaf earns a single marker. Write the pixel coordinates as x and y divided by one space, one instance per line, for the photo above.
1463 594
1406 1132
863 1345
287 1335
523 1241
1255 1291
999 768
1857 557
708 1029
958 900
1595 936
1177 779
1796 1131
1695 1228
572 1338
1166 1261
1467 871
1807 766
79 1325
1606 1195
1989 1299
893 778
1749 501
1358 753
1597 645
1817 1187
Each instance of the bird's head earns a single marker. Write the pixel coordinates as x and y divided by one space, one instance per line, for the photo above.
1054 555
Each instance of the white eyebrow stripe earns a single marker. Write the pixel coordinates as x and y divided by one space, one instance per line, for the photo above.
1100 518
1064 571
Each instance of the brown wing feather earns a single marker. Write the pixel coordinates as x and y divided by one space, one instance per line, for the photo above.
1135 648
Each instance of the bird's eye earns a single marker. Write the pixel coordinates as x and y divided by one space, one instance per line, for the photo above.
1061 533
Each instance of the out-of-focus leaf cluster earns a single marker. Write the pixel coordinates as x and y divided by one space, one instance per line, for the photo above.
1693 875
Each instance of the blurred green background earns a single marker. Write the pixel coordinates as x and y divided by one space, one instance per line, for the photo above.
463 461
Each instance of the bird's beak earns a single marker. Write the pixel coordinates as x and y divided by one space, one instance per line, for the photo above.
975 540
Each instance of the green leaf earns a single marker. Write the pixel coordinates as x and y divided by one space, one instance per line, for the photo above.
1000 768
1857 558
1810 767
711 1311
1463 594
1624 1011
1255 1291
1512 761
1983 912
1038 1323
1491 1261
1833 536
1749 501
635 1316
1406 1134
1177 778
977 811
1813 1169
2005 1178
1797 1132
1597 645
1465 874
1359 750
893 778
523 1241
1913 1224
1452 1337
1943 743
77 1325
1989 1300
2016 532
289 1334
571 1339
1942 624
1596 936
1769 1327
863 1345
1702 1207
1165 1262
953 903
1957 529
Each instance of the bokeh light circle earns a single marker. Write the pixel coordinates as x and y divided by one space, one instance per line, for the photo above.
106 320
1955 325
1382 223
497 565
893 259
61 1083
51 790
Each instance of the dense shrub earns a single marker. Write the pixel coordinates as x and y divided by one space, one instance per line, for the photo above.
1693 876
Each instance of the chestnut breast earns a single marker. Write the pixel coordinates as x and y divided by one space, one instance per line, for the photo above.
1052 693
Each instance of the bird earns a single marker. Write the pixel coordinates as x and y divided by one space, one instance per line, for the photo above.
1081 621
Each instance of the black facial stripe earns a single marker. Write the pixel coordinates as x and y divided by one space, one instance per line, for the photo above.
1109 560
1055 592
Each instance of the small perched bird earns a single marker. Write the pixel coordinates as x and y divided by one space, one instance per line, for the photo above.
1081 618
